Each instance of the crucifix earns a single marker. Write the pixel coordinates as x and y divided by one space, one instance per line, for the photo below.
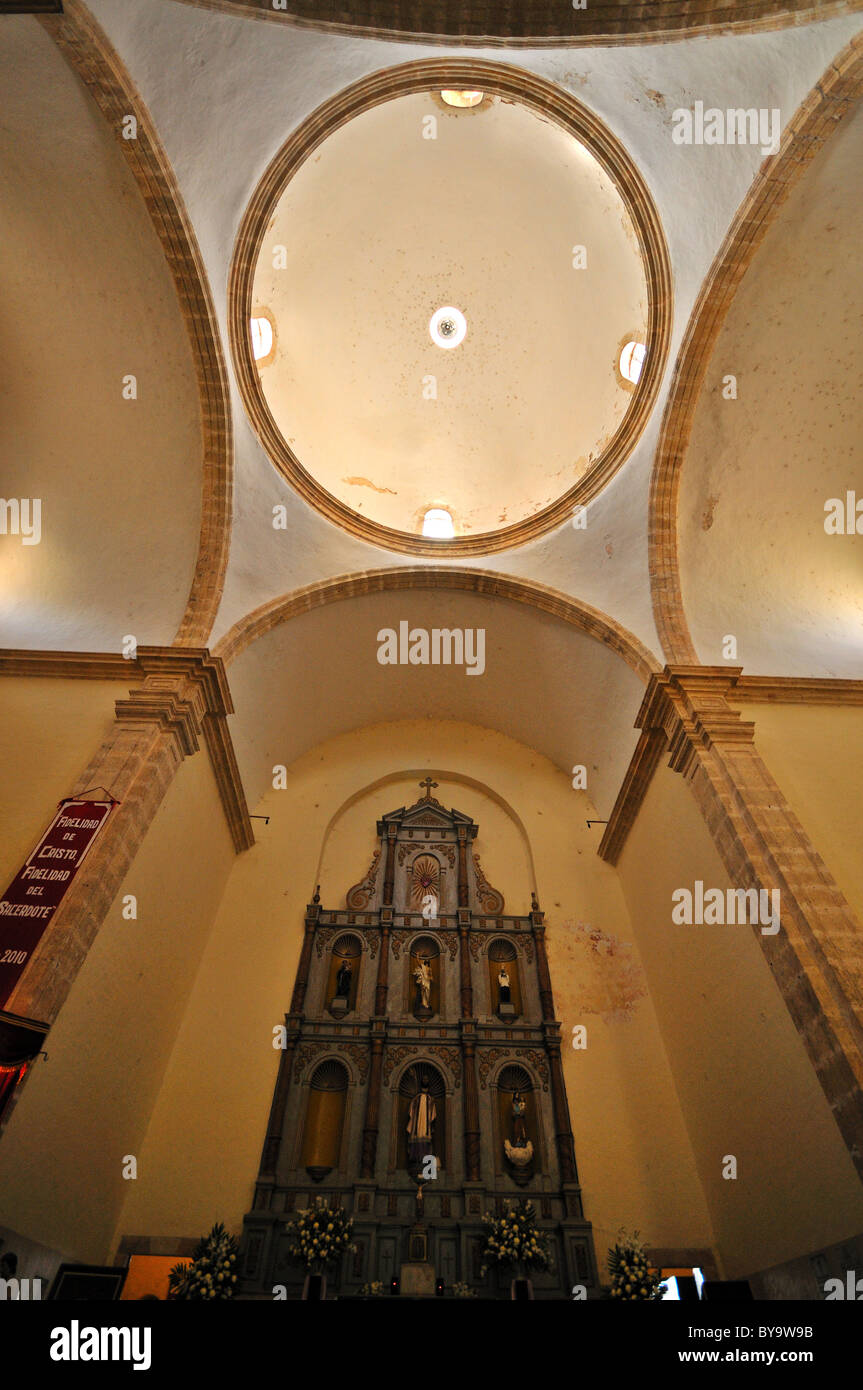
428 784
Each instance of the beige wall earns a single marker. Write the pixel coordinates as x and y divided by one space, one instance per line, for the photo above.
815 752
87 1106
201 1153
49 731
745 1083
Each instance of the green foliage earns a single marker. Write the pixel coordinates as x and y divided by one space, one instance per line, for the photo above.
319 1235
631 1276
514 1238
211 1273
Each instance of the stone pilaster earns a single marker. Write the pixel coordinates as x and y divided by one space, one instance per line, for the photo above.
546 998
275 1128
158 726
471 1102
817 955
463 899
373 1102
382 986
301 981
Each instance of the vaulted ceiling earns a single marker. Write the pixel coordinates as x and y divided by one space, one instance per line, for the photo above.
131 488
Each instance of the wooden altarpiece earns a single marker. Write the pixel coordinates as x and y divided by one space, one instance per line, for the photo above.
420 978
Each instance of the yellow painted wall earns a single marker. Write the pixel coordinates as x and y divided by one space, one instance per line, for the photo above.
745 1083
815 752
49 731
87 1107
202 1149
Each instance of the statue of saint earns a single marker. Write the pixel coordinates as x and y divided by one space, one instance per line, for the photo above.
343 981
519 1133
421 1117
503 985
423 977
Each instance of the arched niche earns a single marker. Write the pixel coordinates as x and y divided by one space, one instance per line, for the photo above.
346 952
424 955
503 959
325 1119
409 1087
517 1122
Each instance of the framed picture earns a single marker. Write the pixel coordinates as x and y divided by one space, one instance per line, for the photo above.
87 1283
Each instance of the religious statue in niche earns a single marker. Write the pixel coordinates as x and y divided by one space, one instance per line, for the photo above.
519 1150
340 1004
423 977
505 1006
422 1114
343 980
503 983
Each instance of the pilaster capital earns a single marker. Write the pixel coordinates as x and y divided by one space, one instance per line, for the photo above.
689 704
181 687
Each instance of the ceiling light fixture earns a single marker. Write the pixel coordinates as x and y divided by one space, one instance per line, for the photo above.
438 524
262 338
447 327
462 99
632 361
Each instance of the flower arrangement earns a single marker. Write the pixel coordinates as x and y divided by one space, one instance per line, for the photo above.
514 1238
319 1235
373 1290
463 1291
631 1276
211 1273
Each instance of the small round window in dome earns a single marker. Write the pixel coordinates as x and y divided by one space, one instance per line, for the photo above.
262 338
632 361
462 99
447 327
438 524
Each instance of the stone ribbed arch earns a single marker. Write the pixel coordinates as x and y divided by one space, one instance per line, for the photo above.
581 616
552 103
501 23
88 52
815 120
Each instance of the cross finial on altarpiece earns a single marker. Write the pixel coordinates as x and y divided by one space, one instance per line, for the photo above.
428 784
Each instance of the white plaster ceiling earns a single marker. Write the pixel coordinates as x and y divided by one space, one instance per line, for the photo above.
226 91
393 218
756 561
85 299
545 684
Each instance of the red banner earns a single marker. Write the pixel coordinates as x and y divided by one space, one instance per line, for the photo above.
37 890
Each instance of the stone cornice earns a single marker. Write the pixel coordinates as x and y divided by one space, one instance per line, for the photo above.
224 763
94 666
195 662
645 760
184 690
795 690
684 706
689 704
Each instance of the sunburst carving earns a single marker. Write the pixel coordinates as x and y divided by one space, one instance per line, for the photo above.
425 879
